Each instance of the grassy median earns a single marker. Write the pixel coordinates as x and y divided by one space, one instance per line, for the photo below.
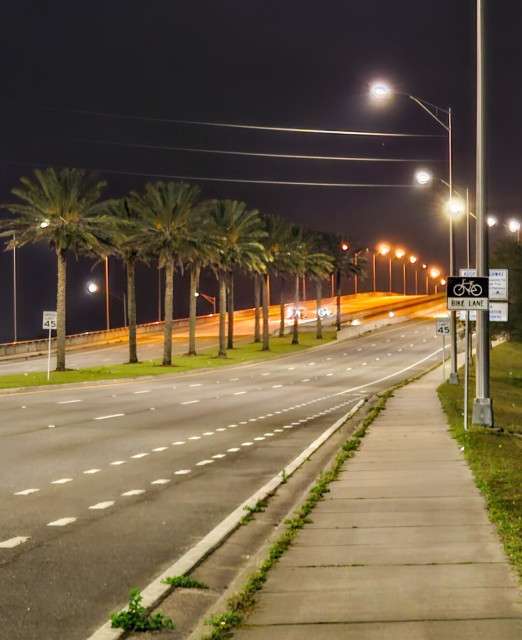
242 352
494 456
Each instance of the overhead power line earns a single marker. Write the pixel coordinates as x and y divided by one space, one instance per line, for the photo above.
247 153
214 179
231 125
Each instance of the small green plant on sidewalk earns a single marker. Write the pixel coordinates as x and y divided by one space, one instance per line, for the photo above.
185 582
136 618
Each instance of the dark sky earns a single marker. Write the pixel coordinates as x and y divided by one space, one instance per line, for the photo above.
86 83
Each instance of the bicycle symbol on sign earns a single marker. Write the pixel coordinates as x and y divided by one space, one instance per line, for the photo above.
468 286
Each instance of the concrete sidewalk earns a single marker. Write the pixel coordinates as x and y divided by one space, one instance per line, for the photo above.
400 549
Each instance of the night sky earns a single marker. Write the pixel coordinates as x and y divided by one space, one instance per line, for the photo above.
99 85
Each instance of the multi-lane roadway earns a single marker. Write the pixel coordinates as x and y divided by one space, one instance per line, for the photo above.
104 485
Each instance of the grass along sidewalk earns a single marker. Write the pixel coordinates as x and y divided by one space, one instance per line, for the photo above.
495 457
205 360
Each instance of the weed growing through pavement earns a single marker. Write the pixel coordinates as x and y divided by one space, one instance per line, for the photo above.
242 603
185 582
135 618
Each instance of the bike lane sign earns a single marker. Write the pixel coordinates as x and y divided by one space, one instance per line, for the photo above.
467 293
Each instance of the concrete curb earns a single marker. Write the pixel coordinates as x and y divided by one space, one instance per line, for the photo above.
156 591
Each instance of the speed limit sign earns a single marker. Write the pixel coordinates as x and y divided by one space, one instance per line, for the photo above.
49 320
443 326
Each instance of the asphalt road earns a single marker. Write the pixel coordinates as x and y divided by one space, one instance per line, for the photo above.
105 485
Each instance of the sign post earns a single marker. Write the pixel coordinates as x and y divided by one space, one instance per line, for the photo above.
49 322
443 329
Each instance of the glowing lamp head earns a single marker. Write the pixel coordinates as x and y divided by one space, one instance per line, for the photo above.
491 221
434 272
455 207
92 287
380 91
423 177
442 281
413 259
44 224
345 246
384 249
400 253
514 226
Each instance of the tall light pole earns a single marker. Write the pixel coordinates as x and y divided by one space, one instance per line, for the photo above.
400 254
413 261
381 92
385 250
482 405
15 322
107 293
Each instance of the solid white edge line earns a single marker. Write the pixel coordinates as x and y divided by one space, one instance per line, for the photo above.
157 590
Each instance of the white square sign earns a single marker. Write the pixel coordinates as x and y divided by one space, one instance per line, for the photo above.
49 320
498 282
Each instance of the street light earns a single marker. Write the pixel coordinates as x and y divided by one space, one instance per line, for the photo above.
93 287
491 221
423 177
210 299
514 227
381 91
385 250
413 261
400 254
433 273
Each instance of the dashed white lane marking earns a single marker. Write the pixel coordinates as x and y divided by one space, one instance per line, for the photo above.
266 374
291 368
364 364
62 522
62 481
133 492
158 449
306 380
311 363
329 374
221 429
411 345
160 481
181 472
239 393
377 359
252 419
259 438
66 402
195 438
144 391
13 542
118 462
233 449
399 349
243 422
178 443
278 431
89 471
268 435
26 492
140 455
202 463
190 402
231 426
197 384
51 426
208 433
247 444
114 415
219 456
102 505
277 386
233 379
359 349
349 369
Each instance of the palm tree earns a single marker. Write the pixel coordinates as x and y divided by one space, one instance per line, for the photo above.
241 234
63 209
343 263
278 260
202 251
125 245
306 258
165 210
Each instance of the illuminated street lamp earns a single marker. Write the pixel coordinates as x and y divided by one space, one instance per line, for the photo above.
210 299
423 177
413 260
514 227
491 221
433 273
400 254
381 92
384 250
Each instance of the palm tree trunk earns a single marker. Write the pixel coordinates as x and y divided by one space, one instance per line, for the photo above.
60 311
169 294
257 305
319 304
338 303
295 334
194 281
264 284
222 313
230 343
131 310
282 309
